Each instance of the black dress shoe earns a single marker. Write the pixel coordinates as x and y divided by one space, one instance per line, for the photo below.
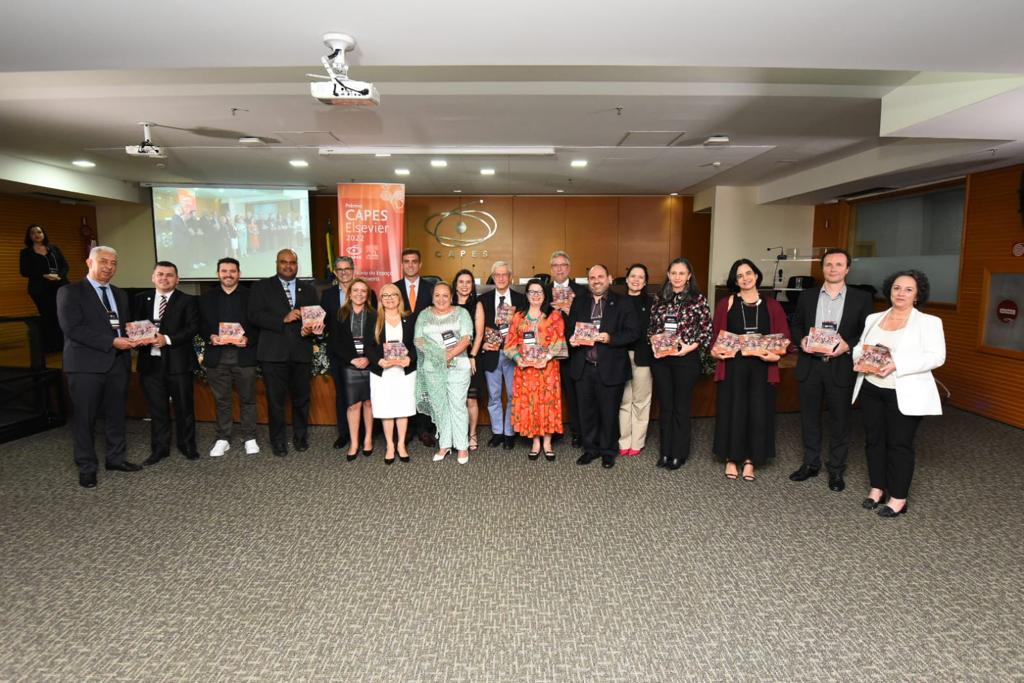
886 511
349 457
191 455
836 483
577 440
496 440
340 442
124 467
280 450
586 459
405 459
662 461
87 481
805 472
674 464
389 461
301 445
510 443
549 456
367 452
870 503
153 459
608 462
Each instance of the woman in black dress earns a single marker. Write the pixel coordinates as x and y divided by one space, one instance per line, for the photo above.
353 327
464 287
47 271
745 402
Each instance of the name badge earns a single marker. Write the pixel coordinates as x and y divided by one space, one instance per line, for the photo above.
830 325
358 343
449 338
503 330
597 322
671 324
530 338
115 324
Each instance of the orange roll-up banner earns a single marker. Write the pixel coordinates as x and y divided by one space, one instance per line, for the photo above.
371 229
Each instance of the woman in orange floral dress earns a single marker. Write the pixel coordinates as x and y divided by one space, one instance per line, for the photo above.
536 385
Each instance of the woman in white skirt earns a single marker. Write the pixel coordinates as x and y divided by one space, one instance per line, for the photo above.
393 371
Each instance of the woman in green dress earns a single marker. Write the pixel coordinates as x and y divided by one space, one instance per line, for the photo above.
443 333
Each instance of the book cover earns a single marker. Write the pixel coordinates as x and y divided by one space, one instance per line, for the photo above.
586 333
313 314
395 351
775 343
534 355
872 359
727 343
665 344
140 329
823 341
230 332
492 336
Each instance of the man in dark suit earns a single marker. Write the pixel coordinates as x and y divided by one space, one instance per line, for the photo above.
570 289
166 362
498 369
602 370
97 361
285 348
230 362
332 299
833 306
417 294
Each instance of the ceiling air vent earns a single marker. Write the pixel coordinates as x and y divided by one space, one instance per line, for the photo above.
651 138
865 193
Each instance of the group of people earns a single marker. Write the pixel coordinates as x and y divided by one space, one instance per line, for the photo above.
419 354
237 236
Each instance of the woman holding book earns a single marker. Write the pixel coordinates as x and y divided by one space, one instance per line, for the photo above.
635 408
393 371
745 403
465 297
443 334
680 324
535 342
350 332
894 358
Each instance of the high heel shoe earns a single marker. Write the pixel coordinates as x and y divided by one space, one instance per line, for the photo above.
404 458
472 442
367 452
886 511
731 475
349 457
549 456
533 455
441 455
751 476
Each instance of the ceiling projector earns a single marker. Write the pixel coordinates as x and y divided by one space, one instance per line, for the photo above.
336 88
146 148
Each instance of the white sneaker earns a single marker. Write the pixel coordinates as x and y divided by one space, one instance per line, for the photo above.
219 448
251 447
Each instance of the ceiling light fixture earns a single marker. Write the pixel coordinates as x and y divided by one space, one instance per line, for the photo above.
457 191
673 194
83 163
438 152
249 140
438 163
579 163
486 171
559 191
299 163
401 171
380 155
718 139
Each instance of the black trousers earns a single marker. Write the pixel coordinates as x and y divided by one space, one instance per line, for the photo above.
599 413
280 380
572 406
340 398
159 386
817 386
889 440
674 380
45 298
221 379
93 395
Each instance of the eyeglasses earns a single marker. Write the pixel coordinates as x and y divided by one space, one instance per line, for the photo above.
534 292
388 296
344 270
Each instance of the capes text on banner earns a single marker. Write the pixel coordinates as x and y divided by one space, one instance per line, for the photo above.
371 229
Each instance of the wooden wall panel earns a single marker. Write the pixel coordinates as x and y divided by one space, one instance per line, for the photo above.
446 261
63 225
592 232
539 229
981 383
645 233
831 229
695 241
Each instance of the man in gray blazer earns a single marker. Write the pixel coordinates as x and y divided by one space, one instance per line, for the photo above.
97 362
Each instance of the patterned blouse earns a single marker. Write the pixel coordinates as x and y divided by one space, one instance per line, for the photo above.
692 316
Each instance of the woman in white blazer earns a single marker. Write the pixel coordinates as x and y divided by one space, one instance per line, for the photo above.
898 395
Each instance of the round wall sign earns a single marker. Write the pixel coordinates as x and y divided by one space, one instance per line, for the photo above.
1007 311
1018 249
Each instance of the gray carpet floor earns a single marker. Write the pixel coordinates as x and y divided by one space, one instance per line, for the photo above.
255 568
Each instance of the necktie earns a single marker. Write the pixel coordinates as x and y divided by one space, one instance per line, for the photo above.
412 297
288 293
501 301
104 298
163 307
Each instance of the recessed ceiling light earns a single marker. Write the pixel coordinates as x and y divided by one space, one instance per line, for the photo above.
83 163
438 163
718 139
457 191
381 155
578 163
559 191
486 171
299 163
716 164
249 140
401 171
673 194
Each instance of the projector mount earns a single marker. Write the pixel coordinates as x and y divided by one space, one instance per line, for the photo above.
334 64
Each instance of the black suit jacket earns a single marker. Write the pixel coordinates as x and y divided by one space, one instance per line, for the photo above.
341 345
643 356
209 325
488 360
857 307
375 349
88 337
330 301
180 323
268 305
620 322
424 295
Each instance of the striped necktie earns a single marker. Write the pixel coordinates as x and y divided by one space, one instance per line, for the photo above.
163 307
288 293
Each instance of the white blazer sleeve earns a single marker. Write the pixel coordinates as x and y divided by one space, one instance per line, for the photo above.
869 322
931 353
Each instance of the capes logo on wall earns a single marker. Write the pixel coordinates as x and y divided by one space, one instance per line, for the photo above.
460 228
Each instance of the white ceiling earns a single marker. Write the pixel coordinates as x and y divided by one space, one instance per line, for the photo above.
793 84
